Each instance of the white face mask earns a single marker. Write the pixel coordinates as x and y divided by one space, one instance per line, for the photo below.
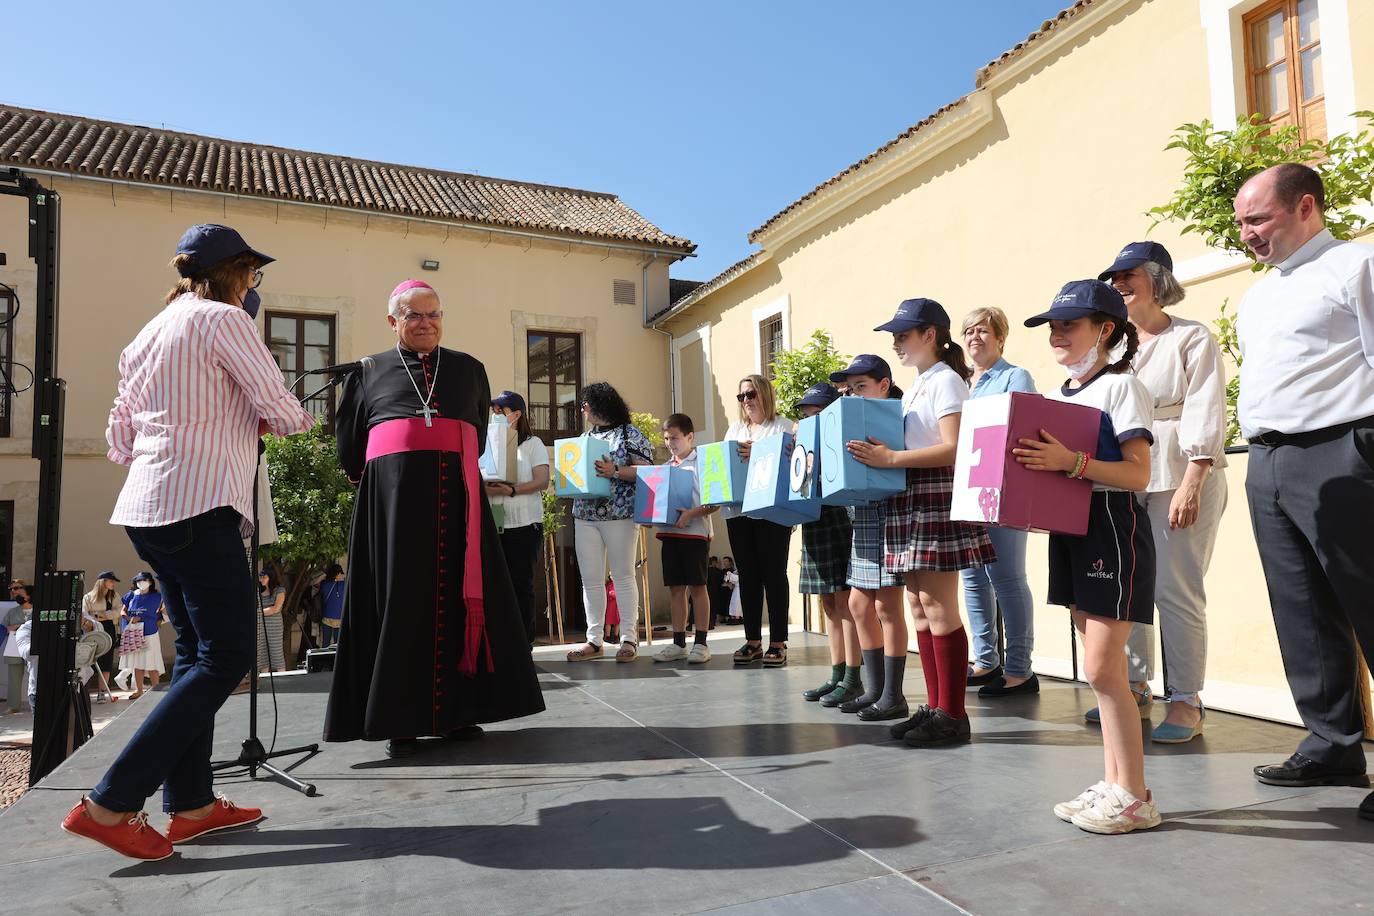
1079 368
144 586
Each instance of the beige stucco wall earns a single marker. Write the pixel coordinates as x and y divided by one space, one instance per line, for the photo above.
116 242
1048 191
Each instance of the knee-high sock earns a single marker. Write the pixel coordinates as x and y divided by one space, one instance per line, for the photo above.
894 667
873 673
925 644
951 654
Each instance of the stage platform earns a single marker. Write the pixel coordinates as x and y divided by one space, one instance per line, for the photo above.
649 788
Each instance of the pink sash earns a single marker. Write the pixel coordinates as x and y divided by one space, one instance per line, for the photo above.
412 435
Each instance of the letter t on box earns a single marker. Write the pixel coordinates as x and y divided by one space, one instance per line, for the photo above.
574 467
662 493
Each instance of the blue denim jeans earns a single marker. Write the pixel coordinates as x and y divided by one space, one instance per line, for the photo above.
1004 582
210 596
329 636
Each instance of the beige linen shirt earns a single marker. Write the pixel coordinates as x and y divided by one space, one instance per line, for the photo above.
1181 368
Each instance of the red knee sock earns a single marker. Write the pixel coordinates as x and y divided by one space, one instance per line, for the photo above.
951 668
925 644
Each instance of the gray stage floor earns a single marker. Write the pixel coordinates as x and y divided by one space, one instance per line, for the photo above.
660 789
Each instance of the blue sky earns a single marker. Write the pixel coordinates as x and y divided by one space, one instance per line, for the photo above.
707 117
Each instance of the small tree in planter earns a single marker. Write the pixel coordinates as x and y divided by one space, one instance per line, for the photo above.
313 501
794 371
1220 161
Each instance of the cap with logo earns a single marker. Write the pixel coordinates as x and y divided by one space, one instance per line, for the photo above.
1079 299
864 364
210 243
108 574
914 313
509 400
1137 253
820 394
142 577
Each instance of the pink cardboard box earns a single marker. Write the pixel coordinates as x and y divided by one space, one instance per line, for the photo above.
992 487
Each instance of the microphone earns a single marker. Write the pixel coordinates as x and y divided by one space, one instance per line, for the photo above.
342 368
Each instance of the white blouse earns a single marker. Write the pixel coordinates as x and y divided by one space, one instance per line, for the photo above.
1181 368
740 431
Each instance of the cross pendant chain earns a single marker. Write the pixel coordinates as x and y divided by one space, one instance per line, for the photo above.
428 412
425 410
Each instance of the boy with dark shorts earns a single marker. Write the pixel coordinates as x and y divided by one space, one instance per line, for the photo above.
686 549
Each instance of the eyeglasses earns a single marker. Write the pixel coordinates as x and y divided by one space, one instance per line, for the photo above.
414 317
746 396
256 281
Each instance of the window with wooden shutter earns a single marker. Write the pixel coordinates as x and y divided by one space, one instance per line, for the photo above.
299 342
1283 62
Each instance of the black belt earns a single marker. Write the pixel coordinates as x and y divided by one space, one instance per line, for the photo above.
1272 438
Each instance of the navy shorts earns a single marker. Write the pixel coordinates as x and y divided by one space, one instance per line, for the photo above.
684 560
1110 571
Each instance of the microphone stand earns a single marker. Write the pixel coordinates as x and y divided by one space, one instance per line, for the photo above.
252 755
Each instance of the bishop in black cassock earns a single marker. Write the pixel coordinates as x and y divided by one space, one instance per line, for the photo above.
431 640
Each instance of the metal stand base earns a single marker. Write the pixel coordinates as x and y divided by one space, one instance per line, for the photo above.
254 757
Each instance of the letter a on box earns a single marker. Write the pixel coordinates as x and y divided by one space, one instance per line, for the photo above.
720 474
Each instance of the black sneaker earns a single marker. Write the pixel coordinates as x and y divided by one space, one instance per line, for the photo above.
899 730
841 695
939 729
860 702
402 747
815 693
876 713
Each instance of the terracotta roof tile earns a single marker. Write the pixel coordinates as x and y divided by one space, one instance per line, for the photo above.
85 146
1049 25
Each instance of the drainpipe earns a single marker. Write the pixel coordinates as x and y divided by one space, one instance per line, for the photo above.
644 285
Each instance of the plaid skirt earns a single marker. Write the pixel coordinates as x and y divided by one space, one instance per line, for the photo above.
825 552
866 551
918 533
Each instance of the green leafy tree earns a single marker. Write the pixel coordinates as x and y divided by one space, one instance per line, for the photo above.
650 425
313 501
1220 161
796 370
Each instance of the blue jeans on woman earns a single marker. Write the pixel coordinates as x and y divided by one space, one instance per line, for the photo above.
210 597
1004 582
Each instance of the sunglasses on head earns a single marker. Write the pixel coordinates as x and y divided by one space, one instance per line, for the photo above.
746 396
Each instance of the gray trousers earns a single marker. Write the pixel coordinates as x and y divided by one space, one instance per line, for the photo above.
1311 503
1182 556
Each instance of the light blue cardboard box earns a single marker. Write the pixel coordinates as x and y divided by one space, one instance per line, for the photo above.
662 493
844 481
766 489
721 474
803 468
574 467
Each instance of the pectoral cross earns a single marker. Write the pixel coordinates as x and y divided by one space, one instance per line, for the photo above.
428 412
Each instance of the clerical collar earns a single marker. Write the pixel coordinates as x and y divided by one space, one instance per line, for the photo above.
416 353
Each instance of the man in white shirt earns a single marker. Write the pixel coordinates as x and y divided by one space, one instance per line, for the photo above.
1306 331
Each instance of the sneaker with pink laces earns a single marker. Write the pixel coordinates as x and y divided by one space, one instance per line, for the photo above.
1116 810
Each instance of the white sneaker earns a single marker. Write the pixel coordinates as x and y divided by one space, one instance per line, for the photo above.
673 653
699 655
123 678
1066 810
1118 811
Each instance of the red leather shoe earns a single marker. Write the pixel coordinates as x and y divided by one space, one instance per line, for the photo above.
224 816
131 837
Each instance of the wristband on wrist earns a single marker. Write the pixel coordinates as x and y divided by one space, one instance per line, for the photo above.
1079 466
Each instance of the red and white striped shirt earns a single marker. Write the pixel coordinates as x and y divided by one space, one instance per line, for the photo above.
192 387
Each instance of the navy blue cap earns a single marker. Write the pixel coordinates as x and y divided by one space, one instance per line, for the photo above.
108 574
916 312
820 394
210 243
141 577
509 400
864 364
1137 253
1080 298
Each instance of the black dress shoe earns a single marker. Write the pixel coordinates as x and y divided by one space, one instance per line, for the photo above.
815 693
1299 771
856 704
841 695
999 688
1367 807
977 680
899 730
876 713
939 729
466 733
402 747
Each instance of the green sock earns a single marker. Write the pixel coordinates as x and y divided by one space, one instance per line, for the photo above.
837 673
851 676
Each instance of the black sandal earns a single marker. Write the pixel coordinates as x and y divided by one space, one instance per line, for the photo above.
775 657
747 654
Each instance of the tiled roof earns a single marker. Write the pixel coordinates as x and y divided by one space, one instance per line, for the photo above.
84 146
836 179
1049 25
701 290
981 78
